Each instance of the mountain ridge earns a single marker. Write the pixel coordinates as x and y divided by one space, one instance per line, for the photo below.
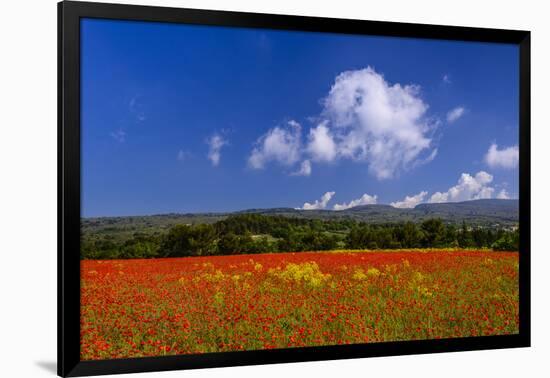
488 213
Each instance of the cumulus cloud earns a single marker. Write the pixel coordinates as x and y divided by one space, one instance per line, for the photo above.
375 122
215 144
365 199
446 79
364 119
282 145
503 194
468 188
304 170
410 201
456 113
507 157
321 145
319 204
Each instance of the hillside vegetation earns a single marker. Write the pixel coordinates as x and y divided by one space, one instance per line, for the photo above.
260 233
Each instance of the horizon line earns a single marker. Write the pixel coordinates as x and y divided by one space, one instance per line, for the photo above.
294 209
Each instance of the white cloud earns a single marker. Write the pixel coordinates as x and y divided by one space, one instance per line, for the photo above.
438 197
456 113
215 144
425 160
279 144
321 145
319 205
364 119
468 188
410 201
446 79
375 122
503 194
365 199
505 158
119 135
305 169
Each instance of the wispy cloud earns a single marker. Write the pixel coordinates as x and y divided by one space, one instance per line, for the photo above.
446 79
456 113
507 157
135 108
215 143
119 135
319 204
183 155
304 170
365 199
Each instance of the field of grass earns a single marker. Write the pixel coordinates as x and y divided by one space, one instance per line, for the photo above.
134 308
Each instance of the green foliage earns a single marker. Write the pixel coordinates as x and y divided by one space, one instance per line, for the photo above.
410 235
139 249
507 242
234 244
256 233
184 240
433 233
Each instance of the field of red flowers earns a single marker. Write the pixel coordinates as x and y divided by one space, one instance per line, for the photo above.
134 308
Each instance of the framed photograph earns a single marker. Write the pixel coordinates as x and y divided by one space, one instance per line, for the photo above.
239 188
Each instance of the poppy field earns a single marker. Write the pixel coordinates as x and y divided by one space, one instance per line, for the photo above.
167 306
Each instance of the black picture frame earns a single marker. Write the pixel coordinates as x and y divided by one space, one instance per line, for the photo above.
69 15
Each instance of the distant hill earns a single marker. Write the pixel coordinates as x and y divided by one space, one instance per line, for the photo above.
486 212
483 212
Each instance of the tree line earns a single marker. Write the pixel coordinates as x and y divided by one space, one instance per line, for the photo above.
255 233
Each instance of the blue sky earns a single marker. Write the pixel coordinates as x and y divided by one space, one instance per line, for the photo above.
183 118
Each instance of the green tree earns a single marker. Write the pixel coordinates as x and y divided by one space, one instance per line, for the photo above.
184 240
411 236
230 244
177 242
464 237
509 241
434 233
